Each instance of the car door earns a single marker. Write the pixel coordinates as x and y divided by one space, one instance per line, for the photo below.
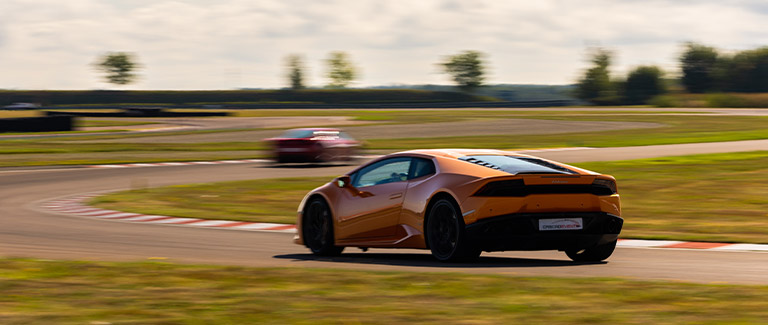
372 208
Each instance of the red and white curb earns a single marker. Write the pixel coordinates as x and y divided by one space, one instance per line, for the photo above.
75 205
189 163
638 243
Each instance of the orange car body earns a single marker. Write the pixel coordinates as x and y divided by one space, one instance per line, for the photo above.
499 209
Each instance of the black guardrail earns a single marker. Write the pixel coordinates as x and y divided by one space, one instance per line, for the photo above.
137 112
516 104
37 124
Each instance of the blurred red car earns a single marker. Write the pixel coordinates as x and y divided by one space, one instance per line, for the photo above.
314 145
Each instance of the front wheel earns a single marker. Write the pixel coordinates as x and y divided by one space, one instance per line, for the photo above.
318 229
446 235
592 254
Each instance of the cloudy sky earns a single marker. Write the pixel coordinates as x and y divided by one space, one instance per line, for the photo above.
226 44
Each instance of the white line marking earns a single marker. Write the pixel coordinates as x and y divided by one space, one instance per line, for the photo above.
173 220
211 223
646 243
97 212
258 226
141 218
117 215
742 247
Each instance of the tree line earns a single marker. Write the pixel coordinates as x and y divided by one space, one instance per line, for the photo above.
702 69
467 69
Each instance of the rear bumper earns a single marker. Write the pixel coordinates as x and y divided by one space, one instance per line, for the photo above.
521 232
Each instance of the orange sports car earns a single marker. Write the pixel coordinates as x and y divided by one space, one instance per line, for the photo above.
460 202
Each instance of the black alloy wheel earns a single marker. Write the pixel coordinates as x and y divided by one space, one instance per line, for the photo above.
317 229
592 254
446 234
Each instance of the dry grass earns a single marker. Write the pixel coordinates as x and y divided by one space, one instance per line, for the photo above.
60 292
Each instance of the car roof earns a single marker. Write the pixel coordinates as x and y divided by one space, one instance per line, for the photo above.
458 153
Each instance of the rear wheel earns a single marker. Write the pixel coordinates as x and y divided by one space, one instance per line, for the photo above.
446 235
592 254
318 229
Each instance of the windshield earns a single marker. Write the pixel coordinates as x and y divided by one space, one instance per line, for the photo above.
517 165
297 134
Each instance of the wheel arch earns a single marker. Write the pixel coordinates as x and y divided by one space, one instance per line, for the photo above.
305 206
436 197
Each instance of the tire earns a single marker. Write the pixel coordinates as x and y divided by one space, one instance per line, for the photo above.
317 229
592 254
446 234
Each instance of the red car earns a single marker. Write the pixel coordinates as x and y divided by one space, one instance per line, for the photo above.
314 145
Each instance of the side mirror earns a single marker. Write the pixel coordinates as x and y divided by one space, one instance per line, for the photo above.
343 181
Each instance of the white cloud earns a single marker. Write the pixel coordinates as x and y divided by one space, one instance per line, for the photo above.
200 44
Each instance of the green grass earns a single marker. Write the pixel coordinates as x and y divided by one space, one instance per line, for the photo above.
40 153
37 160
26 147
714 100
715 197
14 114
68 292
673 129
268 200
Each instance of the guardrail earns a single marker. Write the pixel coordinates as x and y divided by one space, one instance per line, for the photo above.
37 124
516 104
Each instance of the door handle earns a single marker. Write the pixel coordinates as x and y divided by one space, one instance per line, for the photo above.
395 196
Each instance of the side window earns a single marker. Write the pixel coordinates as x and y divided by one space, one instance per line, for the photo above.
421 167
385 171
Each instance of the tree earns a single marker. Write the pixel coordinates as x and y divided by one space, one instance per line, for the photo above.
295 71
698 63
341 71
642 84
118 67
466 69
746 71
596 86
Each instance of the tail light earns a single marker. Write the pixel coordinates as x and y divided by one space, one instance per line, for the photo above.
606 183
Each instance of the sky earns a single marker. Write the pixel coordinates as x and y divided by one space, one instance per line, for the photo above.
230 44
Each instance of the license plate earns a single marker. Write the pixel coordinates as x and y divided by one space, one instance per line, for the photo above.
561 224
291 149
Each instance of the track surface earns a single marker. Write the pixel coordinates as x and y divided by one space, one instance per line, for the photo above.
26 231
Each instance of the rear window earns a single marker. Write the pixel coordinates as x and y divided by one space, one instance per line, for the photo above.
517 165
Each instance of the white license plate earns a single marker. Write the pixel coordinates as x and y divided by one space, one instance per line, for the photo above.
561 224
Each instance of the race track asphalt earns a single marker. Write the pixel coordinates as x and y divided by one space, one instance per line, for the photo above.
28 231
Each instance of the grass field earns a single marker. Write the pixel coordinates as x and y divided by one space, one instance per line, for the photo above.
716 197
67 292
676 129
